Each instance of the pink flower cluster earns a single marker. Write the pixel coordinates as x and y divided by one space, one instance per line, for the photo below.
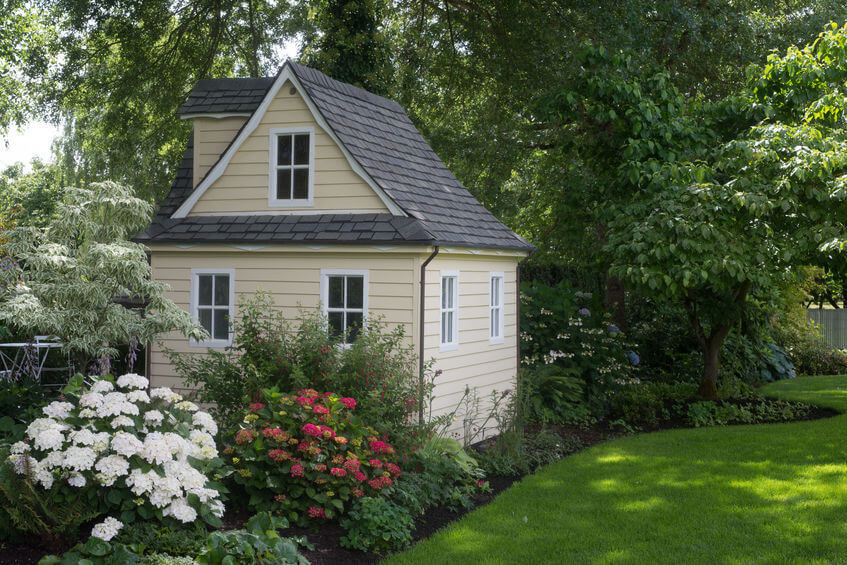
381 447
244 436
348 402
255 407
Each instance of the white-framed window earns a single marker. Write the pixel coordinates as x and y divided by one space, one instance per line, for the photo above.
344 295
213 304
495 307
292 166
449 310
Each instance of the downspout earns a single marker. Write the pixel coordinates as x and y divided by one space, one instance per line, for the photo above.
421 332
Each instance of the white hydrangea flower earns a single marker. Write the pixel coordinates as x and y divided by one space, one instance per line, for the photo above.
42 475
110 468
82 437
101 442
19 447
205 421
164 490
76 480
49 439
140 483
187 405
177 444
217 508
102 387
190 478
40 425
91 400
202 445
153 418
53 459
165 394
107 529
21 461
109 409
156 448
131 380
79 458
180 510
126 444
129 408
137 396
87 413
58 410
122 422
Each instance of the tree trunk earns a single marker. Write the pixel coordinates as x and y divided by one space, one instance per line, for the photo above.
711 364
616 300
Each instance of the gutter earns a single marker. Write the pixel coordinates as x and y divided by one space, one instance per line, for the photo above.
421 331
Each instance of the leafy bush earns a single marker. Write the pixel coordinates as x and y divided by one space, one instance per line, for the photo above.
753 410
95 551
647 403
811 355
21 402
378 525
545 447
259 542
379 370
307 456
154 537
165 559
123 451
553 392
557 328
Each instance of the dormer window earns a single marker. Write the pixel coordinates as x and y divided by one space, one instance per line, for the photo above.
292 158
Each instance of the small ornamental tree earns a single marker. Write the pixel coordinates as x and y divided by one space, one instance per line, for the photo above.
72 270
707 232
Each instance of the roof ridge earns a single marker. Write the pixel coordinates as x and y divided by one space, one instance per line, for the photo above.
336 85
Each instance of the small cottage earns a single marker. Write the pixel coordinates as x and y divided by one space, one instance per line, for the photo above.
322 193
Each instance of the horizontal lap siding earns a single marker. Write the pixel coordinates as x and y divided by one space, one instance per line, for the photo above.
243 187
293 279
477 364
211 138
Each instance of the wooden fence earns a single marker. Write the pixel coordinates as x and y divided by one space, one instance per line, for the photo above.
833 324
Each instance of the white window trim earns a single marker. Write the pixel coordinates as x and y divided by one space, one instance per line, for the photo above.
326 273
500 301
453 344
272 166
195 296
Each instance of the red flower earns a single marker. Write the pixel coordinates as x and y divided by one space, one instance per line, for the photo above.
357 492
315 512
380 482
321 467
352 465
359 476
279 455
318 409
326 431
304 401
279 497
348 402
255 407
311 429
381 447
393 469
297 470
338 472
376 463
244 436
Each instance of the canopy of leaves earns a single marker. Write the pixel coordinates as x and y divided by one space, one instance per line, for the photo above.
71 271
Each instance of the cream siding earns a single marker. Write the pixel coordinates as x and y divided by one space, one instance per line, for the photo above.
476 362
243 186
292 278
211 138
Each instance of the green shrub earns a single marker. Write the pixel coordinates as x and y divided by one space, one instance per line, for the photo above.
21 402
175 539
259 542
752 410
378 525
95 551
646 404
545 447
307 456
553 391
165 559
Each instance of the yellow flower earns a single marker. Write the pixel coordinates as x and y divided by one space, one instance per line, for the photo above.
330 493
244 472
235 460
282 413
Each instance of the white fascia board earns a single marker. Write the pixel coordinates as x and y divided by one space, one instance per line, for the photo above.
218 169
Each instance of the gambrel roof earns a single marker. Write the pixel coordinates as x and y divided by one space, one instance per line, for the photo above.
435 209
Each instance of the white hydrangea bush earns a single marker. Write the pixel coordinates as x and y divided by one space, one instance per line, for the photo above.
142 453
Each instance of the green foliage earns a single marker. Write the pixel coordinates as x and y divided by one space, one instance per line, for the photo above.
165 559
54 515
308 456
378 525
157 538
379 370
553 390
30 198
258 542
74 268
95 551
558 329
20 403
753 410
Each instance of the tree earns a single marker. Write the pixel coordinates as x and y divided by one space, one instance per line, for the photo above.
72 270
705 232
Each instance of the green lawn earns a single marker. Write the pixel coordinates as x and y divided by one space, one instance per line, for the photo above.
743 494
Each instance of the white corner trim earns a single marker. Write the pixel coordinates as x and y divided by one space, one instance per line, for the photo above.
195 291
218 169
216 116
273 201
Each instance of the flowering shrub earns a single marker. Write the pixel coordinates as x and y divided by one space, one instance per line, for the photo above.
306 455
128 451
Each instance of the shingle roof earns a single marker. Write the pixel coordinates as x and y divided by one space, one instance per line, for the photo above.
381 138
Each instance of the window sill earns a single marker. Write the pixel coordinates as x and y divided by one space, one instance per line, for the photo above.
448 347
496 341
291 203
212 343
